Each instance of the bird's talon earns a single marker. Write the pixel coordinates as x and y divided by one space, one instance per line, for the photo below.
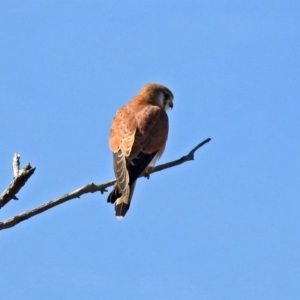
147 172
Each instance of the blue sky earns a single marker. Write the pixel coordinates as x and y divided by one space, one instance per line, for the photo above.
225 226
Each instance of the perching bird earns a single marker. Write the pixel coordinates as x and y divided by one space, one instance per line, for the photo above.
137 138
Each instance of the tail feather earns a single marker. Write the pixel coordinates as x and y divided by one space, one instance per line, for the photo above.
122 204
121 209
114 195
122 176
126 173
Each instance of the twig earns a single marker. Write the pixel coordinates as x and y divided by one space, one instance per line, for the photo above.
183 159
91 188
17 183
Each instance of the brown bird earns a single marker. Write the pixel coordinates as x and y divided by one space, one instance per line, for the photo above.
137 138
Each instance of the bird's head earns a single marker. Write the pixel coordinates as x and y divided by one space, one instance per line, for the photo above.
158 95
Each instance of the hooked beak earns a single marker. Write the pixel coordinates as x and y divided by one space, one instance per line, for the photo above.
171 105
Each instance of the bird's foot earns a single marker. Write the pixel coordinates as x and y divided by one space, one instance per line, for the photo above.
147 172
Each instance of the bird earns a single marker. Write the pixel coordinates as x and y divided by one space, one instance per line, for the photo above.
137 139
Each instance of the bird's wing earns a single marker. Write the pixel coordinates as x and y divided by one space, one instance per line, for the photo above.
121 139
137 136
152 133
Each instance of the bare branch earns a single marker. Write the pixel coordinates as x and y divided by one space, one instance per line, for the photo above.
92 188
183 159
17 183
